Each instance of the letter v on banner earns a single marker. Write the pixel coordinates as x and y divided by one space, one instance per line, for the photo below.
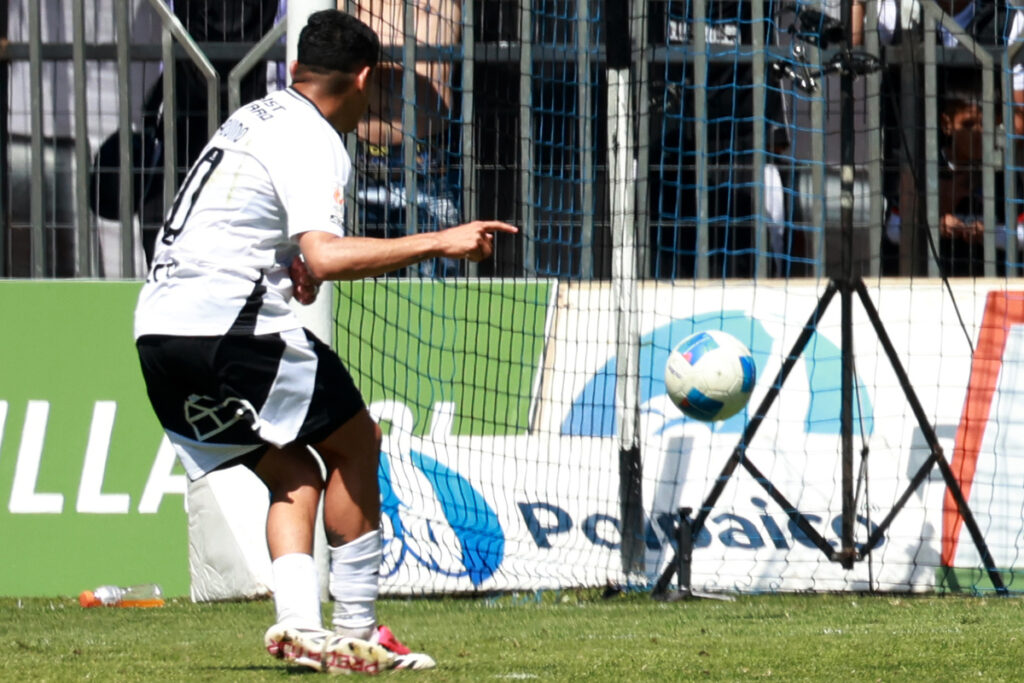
1003 311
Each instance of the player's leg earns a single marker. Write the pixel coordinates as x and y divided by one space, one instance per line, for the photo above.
352 523
209 393
294 480
352 503
295 483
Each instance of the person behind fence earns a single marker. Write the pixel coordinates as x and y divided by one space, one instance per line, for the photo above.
989 24
224 21
726 152
234 378
383 197
961 200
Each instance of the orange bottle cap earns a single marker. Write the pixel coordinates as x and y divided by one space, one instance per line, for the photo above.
88 599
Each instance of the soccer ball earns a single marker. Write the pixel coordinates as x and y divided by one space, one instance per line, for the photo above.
709 375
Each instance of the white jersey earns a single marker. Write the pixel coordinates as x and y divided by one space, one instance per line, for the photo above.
274 169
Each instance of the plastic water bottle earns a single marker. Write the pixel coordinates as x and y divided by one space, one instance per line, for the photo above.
143 595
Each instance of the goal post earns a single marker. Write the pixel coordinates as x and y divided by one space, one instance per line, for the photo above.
625 278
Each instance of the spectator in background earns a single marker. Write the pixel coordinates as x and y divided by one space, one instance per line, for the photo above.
987 22
58 114
727 152
215 21
382 195
961 229
206 21
961 225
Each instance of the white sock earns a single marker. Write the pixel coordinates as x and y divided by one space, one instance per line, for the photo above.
355 571
297 591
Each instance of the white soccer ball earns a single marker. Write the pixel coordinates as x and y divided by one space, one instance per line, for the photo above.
709 375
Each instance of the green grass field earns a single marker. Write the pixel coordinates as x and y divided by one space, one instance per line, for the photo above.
554 637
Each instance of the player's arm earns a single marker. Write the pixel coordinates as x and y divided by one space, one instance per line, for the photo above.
329 257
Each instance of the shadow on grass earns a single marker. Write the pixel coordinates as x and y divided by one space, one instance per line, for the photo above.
256 668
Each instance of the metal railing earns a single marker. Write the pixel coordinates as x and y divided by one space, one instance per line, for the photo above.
39 170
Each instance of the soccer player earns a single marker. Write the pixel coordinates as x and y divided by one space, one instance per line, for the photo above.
232 375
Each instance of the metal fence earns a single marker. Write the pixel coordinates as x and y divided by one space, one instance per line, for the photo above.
530 117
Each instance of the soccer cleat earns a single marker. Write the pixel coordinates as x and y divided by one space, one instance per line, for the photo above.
343 655
402 656
303 646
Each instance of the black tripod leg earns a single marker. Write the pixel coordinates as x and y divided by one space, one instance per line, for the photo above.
762 410
730 465
883 526
933 441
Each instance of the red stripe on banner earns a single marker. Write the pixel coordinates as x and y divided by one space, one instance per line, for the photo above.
1002 309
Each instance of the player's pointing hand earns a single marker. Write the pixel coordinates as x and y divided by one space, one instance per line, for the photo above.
473 241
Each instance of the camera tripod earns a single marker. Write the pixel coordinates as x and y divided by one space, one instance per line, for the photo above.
847 283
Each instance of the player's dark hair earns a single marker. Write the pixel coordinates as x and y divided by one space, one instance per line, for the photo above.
336 41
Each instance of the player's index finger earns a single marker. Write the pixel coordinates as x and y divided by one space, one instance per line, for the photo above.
498 226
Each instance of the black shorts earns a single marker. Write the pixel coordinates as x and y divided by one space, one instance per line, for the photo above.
224 398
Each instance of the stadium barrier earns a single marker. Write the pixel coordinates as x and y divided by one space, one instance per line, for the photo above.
499 468
656 183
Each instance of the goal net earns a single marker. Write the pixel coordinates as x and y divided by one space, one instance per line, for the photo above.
777 171
676 167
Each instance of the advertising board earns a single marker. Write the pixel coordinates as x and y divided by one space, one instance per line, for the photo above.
500 460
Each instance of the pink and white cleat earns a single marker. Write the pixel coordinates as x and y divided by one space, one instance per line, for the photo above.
303 646
344 655
402 656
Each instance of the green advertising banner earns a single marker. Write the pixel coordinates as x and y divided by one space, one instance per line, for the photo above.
473 346
92 494
87 494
